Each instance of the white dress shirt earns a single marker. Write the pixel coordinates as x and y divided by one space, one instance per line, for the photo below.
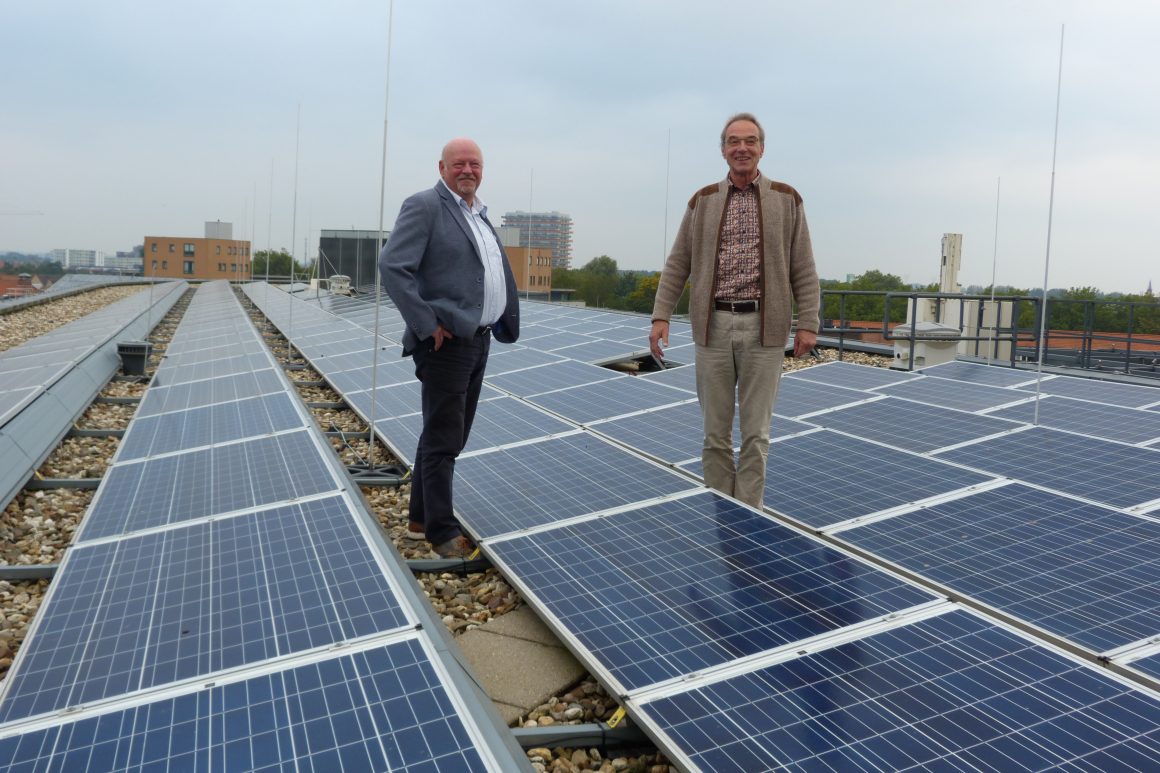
494 285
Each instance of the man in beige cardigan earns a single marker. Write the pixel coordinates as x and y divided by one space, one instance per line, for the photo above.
745 245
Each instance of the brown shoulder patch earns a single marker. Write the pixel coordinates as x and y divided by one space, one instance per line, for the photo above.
788 190
708 190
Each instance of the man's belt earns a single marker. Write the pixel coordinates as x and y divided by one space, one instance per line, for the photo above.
737 307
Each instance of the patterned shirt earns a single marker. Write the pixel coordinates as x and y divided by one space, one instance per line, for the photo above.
739 254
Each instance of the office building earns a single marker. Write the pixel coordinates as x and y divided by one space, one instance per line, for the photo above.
546 230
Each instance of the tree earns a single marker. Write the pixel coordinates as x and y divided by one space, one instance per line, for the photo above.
279 265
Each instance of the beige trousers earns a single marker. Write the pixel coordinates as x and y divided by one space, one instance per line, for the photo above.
736 367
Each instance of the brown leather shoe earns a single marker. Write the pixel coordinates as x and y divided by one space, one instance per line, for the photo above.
457 547
416 532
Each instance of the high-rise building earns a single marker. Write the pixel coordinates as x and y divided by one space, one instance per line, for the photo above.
546 230
79 258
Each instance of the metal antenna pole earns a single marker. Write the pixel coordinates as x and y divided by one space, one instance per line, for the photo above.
531 197
994 266
269 232
293 230
668 158
379 245
1047 257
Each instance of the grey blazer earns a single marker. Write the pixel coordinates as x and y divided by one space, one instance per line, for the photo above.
432 269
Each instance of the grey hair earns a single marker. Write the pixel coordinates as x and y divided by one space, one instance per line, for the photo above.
743 117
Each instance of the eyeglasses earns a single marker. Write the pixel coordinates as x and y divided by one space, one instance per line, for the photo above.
736 142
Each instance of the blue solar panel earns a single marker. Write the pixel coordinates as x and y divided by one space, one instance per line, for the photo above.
159 399
220 479
952 692
557 375
1112 473
606 399
1112 422
603 350
177 604
676 433
1128 395
850 478
681 377
219 423
498 422
796 397
541 483
691 583
226 366
1149 665
977 373
964 396
852 376
505 359
911 426
382 709
1084 572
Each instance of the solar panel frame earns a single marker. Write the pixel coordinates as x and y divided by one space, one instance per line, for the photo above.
912 426
952 691
1102 471
962 395
639 618
845 374
1081 572
1111 422
608 399
552 480
835 467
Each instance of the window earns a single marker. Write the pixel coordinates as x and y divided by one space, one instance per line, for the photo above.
155 264
217 250
165 264
172 247
187 250
233 267
222 267
187 267
153 247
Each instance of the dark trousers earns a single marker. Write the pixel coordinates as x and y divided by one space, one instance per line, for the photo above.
452 378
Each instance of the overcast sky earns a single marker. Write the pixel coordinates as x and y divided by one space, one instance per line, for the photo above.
895 120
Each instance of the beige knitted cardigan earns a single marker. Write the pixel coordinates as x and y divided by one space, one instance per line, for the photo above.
787 270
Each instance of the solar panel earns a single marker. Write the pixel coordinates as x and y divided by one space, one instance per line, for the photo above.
224 366
681 377
691 583
1109 392
911 426
952 692
1107 472
947 393
676 433
1149 665
853 376
557 375
218 423
386 708
1112 422
824 478
508 358
1083 572
498 422
606 399
177 604
796 397
548 481
994 375
220 479
603 350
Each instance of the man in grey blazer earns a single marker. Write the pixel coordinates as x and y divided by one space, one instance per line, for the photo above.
449 277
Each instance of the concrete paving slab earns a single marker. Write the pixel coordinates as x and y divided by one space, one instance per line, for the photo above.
519 662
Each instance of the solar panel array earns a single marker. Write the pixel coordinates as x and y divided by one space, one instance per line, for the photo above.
741 643
229 602
47 382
